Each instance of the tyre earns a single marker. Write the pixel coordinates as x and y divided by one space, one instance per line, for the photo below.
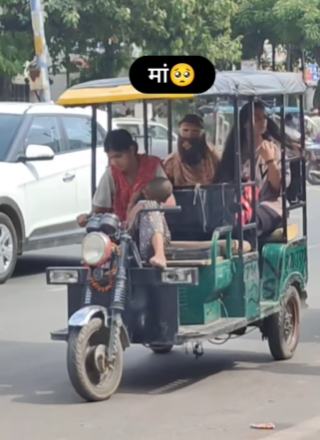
87 365
312 179
8 248
161 349
282 328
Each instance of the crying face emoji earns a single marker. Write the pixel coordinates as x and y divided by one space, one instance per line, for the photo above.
182 75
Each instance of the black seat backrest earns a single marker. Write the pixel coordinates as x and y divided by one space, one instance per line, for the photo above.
294 190
203 209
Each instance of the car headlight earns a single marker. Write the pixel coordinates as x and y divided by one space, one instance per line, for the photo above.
96 248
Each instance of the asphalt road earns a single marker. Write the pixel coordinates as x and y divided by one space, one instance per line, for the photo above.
161 397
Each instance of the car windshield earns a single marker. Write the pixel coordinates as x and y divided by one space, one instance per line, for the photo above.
8 128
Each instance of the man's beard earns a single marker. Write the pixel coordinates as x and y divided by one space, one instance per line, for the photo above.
195 153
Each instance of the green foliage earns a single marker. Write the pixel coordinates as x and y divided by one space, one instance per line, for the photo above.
298 22
294 22
15 37
155 26
104 31
256 22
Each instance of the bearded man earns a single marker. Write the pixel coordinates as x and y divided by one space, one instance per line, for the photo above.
195 162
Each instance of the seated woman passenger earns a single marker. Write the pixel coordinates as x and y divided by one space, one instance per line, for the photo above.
195 162
122 185
267 141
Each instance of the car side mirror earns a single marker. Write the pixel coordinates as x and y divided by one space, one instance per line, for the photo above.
37 153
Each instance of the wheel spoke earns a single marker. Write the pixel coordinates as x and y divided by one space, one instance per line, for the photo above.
4 236
2 265
7 253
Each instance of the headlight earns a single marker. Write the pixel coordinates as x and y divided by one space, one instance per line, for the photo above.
63 276
96 248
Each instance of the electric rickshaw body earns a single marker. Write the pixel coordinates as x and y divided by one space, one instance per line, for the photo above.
214 286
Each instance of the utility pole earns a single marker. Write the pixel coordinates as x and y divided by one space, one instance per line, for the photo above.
40 48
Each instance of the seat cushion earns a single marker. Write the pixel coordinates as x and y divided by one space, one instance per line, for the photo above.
189 250
201 250
277 235
235 247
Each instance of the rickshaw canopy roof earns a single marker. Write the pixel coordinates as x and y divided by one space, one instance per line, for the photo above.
105 91
256 83
233 83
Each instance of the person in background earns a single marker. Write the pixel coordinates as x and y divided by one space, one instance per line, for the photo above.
122 185
314 112
315 128
195 162
292 122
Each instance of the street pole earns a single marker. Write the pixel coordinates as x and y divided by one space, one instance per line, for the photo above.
40 48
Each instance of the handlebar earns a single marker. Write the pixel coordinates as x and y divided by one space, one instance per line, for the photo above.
165 210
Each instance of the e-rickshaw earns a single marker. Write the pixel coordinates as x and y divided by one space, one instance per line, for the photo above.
213 286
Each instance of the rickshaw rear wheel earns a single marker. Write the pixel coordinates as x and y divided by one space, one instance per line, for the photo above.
282 328
88 370
161 349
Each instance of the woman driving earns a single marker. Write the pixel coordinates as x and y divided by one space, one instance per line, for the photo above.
122 186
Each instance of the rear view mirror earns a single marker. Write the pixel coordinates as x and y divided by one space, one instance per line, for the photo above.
37 153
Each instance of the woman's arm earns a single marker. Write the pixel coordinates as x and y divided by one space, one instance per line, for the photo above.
162 173
102 200
274 174
268 152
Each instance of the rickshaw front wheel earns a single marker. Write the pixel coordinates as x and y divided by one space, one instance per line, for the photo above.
282 328
91 376
161 349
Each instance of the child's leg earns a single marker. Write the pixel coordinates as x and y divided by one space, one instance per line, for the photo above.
154 235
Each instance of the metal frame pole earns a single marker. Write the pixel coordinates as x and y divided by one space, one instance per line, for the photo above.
283 170
238 167
93 150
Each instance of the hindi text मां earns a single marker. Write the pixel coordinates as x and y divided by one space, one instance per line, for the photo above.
160 74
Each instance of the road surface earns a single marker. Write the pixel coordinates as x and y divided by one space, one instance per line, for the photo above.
161 397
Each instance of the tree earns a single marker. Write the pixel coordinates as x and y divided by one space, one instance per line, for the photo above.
191 28
15 42
104 30
16 37
256 22
298 23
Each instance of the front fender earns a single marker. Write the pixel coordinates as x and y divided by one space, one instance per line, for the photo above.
84 315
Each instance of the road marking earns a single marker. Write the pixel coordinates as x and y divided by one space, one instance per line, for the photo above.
297 432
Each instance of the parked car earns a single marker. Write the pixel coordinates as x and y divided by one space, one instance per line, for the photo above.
158 135
45 175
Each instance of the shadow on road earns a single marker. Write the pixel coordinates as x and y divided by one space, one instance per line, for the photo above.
37 374
36 264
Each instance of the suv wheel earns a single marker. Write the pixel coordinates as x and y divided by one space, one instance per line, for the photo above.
8 248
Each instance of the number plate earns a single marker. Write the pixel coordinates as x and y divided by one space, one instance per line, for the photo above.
180 276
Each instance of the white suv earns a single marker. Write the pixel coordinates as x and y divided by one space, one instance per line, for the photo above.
45 175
